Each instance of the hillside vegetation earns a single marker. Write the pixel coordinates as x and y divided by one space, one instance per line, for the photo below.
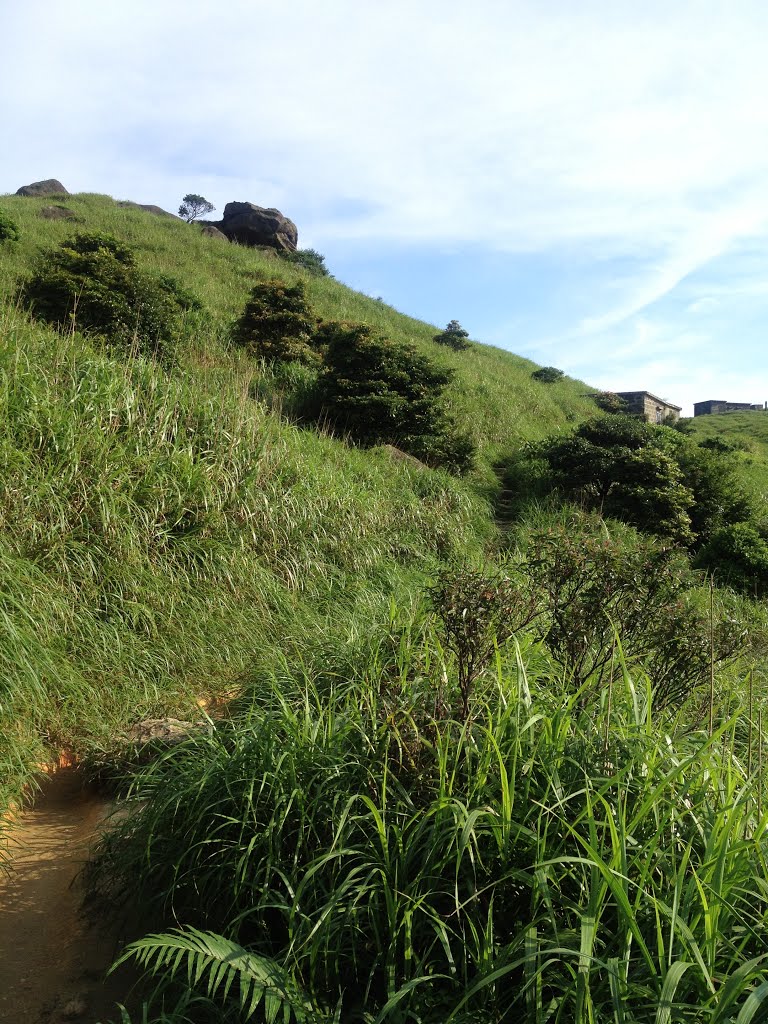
463 749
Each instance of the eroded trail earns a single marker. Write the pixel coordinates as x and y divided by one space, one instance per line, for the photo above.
52 963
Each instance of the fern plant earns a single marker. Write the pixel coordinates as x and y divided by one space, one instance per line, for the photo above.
214 967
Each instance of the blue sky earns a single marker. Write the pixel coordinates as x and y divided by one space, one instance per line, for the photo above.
584 183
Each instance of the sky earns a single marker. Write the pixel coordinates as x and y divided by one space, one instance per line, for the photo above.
582 182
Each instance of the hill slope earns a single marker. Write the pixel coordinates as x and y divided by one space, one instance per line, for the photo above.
163 533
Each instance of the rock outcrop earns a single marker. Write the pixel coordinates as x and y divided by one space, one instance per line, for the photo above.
253 225
57 212
49 187
158 211
211 231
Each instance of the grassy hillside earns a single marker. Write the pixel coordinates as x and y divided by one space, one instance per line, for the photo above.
493 393
161 532
748 433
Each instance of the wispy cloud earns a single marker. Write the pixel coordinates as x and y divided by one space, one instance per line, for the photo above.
631 137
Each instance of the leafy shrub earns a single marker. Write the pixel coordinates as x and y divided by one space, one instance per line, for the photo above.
478 613
381 392
738 555
617 464
92 282
194 206
9 229
548 374
277 324
609 401
454 336
309 259
597 591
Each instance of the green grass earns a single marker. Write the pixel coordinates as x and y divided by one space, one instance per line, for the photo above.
748 431
547 859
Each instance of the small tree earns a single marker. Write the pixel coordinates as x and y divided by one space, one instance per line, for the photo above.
381 392
454 336
548 374
277 324
194 206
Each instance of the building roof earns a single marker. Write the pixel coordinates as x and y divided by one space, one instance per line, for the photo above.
661 401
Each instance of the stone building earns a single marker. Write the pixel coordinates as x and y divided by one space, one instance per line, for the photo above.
652 408
715 406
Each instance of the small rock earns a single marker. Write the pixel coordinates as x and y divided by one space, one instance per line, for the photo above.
211 231
57 213
162 730
158 211
49 187
75 1008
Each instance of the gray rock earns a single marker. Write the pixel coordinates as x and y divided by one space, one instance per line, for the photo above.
158 211
398 455
57 213
75 1008
168 731
211 231
49 187
257 226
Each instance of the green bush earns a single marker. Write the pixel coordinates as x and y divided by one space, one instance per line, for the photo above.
597 591
92 283
9 229
609 401
548 374
454 336
737 555
380 392
311 261
277 324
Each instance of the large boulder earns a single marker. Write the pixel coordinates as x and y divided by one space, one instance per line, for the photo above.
254 225
49 187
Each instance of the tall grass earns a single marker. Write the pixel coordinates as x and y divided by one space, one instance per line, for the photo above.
543 860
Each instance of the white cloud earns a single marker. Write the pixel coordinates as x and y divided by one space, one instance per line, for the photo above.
607 128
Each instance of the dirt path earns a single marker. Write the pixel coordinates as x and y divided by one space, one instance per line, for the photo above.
52 963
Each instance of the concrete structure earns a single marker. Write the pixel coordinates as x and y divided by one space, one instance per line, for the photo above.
715 406
650 407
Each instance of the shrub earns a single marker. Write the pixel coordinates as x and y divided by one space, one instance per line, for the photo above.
92 282
277 324
454 336
739 556
9 229
609 401
194 206
309 259
381 392
597 590
478 613
548 374
618 465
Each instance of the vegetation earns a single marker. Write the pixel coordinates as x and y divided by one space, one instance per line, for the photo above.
547 374
277 324
454 336
455 765
9 230
309 259
381 392
361 855
93 282
194 206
